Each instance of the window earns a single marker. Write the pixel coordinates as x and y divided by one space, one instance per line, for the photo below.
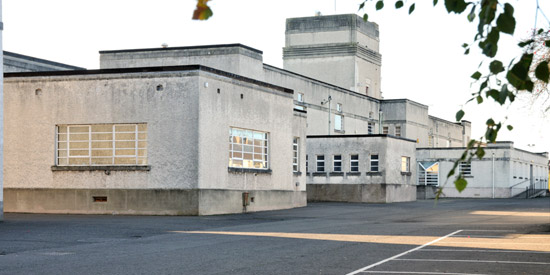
102 144
367 90
405 164
248 149
337 163
465 168
339 107
430 141
354 163
398 131
295 155
338 123
370 129
385 130
307 163
300 97
374 163
448 143
320 163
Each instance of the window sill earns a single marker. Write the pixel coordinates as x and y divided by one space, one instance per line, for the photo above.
248 170
336 174
406 173
297 173
353 173
468 176
103 168
374 173
324 174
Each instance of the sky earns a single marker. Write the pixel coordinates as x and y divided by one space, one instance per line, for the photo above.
422 57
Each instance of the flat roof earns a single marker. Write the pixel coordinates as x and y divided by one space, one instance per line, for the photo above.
43 61
149 70
361 136
184 48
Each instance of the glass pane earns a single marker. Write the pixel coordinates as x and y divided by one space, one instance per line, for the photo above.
247 156
124 160
104 161
237 148
78 153
79 129
102 153
248 164
127 144
62 129
62 145
79 137
62 161
102 136
61 137
142 127
235 163
61 153
142 161
125 128
128 136
79 145
125 152
142 152
79 161
102 144
102 128
142 136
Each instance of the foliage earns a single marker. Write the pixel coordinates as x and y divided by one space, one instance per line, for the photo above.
502 83
202 11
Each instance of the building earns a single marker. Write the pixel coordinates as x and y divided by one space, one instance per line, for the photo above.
14 62
503 172
1 122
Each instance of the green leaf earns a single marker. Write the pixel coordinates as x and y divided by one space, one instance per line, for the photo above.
547 43
503 95
472 14
496 67
362 5
510 127
379 4
490 44
459 115
365 17
518 76
480 152
460 184
476 75
511 96
398 4
506 22
540 31
525 43
541 72
411 8
490 122
479 99
467 51
465 45
494 94
456 6
435 2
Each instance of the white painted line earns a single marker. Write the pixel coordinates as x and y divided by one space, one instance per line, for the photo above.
471 261
483 236
402 254
409 272
484 250
482 230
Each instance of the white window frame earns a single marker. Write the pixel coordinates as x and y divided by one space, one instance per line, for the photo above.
296 154
338 123
248 149
300 97
374 163
112 154
354 163
339 107
465 168
337 163
385 130
370 128
405 164
320 163
397 131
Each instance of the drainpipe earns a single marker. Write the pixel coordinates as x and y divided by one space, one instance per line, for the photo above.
493 175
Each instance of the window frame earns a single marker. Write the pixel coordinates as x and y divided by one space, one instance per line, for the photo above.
374 163
465 168
337 161
318 161
397 130
234 152
405 164
296 154
385 130
341 124
370 128
354 159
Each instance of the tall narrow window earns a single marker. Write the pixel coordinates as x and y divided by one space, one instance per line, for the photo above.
370 129
337 163
320 163
385 130
295 154
398 131
307 163
102 144
300 97
465 168
248 148
374 163
354 163
430 141
339 107
405 164
338 123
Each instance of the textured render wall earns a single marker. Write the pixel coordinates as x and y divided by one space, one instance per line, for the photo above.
444 130
480 184
322 68
357 109
411 116
13 62
171 116
234 59
299 129
1 122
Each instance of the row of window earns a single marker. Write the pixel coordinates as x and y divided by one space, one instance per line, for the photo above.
320 163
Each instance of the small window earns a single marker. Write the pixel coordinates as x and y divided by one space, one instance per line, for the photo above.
385 130
374 163
448 143
300 97
465 168
339 107
320 163
337 164
398 131
370 128
354 163
430 141
295 154
367 90
248 149
338 123
405 164
307 163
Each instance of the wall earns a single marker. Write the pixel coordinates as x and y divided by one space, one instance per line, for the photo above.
233 58
13 62
389 176
1 122
445 132
507 180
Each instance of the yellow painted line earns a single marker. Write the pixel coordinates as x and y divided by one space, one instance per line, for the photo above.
515 242
509 213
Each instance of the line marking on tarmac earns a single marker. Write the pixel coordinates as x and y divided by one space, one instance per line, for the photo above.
408 272
404 253
471 261
483 250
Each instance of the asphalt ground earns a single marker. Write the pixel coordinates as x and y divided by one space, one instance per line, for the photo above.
481 236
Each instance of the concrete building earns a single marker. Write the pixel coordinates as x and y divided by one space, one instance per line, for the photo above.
1 122
14 62
503 172
150 141
361 168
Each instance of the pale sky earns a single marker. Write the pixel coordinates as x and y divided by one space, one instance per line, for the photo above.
422 57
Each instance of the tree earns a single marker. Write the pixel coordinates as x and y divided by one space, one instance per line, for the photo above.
500 82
